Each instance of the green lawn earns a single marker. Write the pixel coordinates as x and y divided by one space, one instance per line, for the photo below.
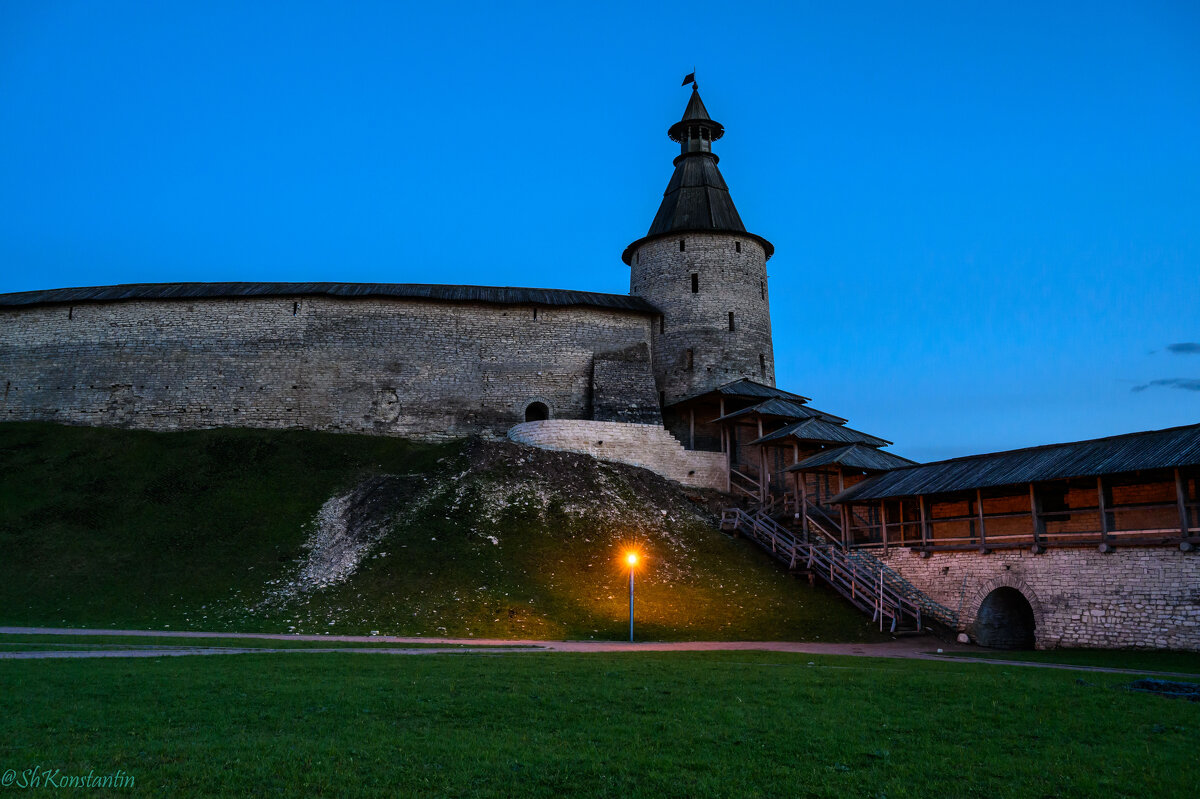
615 725
192 530
1181 662
30 643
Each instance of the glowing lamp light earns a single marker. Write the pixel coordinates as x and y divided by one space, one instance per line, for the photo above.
631 560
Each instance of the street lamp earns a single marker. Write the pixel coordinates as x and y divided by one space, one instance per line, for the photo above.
631 559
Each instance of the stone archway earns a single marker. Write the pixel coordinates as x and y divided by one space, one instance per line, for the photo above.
537 412
1005 620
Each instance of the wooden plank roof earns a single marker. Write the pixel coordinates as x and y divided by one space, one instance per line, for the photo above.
495 295
820 430
856 456
1132 452
745 388
783 409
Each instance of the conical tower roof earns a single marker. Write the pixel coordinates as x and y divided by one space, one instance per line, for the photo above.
696 198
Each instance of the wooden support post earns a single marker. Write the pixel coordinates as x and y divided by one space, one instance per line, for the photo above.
692 427
845 527
796 491
924 522
982 528
1181 499
764 484
803 502
1039 524
1105 546
725 433
883 524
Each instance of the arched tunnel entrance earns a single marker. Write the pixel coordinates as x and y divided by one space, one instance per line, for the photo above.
537 412
1005 620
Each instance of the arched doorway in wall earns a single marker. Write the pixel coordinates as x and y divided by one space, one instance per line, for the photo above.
1005 620
537 412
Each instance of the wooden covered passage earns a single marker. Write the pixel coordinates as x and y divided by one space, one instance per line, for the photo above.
1136 489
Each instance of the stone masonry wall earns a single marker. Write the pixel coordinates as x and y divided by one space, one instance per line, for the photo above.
623 387
372 365
1133 597
646 445
731 277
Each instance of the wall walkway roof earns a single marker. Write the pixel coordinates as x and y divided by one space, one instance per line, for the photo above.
1132 452
495 295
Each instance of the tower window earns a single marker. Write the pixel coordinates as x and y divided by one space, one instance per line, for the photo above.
637 257
731 321
662 324
295 308
737 246
682 248
695 283
535 312
762 288
690 360
762 364
662 398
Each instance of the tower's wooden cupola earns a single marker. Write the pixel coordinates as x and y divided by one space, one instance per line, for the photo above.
696 131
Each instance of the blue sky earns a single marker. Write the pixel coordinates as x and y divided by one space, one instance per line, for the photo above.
986 217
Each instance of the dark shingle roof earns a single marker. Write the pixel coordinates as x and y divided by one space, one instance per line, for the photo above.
1155 449
496 295
786 409
696 199
745 387
856 456
819 430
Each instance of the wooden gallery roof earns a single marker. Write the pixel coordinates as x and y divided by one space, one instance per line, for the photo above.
1132 452
856 456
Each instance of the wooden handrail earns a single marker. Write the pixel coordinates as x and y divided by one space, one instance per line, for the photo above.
866 584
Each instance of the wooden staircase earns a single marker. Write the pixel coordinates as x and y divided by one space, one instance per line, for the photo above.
864 580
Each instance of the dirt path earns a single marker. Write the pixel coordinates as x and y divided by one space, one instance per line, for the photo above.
914 647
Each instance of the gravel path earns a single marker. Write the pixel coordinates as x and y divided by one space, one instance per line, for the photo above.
914 647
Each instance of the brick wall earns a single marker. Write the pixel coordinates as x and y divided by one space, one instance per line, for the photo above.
1132 597
649 446
374 365
727 281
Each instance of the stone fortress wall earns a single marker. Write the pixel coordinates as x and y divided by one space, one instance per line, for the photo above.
730 277
1139 597
396 366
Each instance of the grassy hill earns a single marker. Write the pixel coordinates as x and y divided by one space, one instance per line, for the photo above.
280 531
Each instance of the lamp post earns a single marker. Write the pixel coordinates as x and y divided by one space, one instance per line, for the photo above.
631 558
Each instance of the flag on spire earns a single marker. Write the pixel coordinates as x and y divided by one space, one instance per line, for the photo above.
691 78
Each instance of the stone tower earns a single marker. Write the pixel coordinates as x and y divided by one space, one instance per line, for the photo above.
705 272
